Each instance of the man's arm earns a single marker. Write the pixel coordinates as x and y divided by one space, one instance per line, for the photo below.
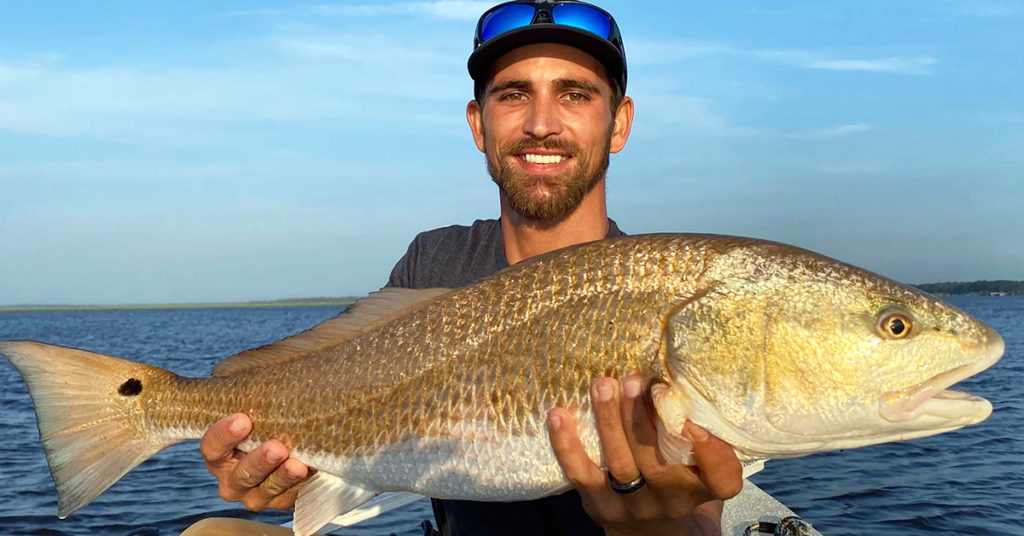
676 499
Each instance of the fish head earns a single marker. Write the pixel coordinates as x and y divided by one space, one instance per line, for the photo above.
788 352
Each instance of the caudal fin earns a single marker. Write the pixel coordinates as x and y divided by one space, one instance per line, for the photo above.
90 409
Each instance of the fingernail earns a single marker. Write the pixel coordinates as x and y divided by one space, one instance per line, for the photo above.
605 392
631 386
237 427
695 433
274 456
554 421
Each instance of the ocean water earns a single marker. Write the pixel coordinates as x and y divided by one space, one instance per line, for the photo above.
965 482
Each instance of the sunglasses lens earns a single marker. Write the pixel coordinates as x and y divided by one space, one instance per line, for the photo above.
583 17
504 19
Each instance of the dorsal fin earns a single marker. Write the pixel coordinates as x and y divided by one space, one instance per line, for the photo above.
376 309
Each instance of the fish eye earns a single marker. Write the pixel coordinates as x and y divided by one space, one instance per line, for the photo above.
895 325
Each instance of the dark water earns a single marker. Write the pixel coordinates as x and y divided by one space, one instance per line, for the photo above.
964 482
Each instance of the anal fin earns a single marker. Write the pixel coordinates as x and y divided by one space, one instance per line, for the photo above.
324 497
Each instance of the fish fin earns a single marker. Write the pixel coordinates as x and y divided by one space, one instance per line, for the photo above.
385 502
363 315
671 406
91 422
323 498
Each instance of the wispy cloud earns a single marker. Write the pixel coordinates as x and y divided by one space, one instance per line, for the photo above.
670 115
653 53
907 65
990 8
641 52
298 77
442 9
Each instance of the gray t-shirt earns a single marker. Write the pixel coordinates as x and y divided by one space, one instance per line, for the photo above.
454 257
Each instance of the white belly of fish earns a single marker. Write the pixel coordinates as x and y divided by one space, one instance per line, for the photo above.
473 464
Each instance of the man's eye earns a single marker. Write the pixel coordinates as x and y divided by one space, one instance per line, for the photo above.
513 96
576 96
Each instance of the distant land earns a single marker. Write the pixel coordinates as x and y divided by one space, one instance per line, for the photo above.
287 302
974 288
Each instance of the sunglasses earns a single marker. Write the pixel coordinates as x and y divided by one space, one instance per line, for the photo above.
510 16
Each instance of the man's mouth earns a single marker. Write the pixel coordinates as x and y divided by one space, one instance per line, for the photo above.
535 158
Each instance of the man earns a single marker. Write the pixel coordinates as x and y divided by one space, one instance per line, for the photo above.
549 108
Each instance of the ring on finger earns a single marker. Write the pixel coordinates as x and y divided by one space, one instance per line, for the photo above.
627 488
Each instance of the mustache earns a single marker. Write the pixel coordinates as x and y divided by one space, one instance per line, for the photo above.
522 144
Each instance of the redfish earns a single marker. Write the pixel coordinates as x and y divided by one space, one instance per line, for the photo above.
444 392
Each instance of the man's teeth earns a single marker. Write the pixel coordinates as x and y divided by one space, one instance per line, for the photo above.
544 158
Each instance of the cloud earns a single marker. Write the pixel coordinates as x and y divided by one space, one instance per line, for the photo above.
907 65
349 80
654 53
443 9
671 115
989 8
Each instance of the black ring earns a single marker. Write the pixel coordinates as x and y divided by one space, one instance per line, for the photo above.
626 489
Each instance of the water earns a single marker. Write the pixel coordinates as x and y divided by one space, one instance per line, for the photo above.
964 482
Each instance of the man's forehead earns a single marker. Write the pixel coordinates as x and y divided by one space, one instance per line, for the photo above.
548 62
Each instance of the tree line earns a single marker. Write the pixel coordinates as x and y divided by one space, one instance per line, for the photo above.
983 288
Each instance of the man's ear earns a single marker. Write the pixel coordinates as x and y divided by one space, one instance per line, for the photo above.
475 118
623 124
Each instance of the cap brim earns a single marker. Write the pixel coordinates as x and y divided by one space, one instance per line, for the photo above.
485 55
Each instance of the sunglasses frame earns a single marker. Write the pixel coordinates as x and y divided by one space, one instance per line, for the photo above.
546 9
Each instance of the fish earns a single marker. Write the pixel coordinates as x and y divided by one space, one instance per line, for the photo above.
777 350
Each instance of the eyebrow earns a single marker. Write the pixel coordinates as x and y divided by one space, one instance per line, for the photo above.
559 83
575 83
522 85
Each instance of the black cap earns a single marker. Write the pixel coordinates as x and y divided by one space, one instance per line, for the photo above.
609 52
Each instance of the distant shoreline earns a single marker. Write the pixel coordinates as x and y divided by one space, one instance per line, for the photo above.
972 288
276 303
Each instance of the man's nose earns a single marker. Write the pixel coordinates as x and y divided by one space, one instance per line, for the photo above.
542 119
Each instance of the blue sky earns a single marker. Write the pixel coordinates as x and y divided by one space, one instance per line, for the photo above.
220 151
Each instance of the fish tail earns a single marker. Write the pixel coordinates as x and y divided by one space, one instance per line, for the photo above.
90 410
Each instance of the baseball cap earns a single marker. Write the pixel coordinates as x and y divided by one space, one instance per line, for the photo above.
518 23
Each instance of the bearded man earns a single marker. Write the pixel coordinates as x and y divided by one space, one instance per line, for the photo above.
549 109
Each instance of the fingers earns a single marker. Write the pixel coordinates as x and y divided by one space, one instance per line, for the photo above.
615 448
675 496
263 478
639 430
579 469
720 469
218 443
280 488
255 467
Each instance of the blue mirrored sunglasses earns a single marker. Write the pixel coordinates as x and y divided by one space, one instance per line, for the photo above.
505 17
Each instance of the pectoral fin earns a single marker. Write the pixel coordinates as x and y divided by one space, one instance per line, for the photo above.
671 406
323 498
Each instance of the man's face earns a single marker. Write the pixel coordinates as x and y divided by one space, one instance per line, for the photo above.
547 128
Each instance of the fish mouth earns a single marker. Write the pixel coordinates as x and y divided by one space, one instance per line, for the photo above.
930 404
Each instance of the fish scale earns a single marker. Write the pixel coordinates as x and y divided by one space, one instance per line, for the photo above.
445 393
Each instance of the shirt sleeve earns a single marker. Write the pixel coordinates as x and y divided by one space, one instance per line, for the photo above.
402 274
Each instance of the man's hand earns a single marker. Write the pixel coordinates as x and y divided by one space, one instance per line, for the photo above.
675 498
263 478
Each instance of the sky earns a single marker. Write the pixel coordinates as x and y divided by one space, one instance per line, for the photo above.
184 152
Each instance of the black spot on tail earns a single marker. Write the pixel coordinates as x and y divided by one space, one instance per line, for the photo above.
131 387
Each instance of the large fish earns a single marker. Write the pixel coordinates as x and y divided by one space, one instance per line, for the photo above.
777 350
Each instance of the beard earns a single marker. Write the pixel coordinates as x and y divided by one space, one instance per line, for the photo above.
546 199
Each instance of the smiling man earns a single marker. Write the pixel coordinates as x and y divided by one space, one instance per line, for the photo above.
549 109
